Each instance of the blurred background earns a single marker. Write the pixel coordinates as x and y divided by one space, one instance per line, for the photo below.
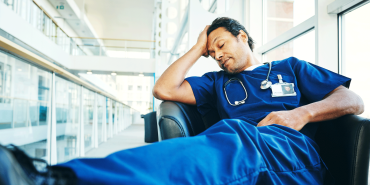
75 75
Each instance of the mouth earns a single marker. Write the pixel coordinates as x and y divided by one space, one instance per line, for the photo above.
224 62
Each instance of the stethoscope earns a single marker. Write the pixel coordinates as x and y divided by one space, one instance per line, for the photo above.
265 84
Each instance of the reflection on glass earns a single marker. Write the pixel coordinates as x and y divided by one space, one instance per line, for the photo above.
302 47
355 54
67 118
101 103
114 126
23 109
108 105
282 15
88 111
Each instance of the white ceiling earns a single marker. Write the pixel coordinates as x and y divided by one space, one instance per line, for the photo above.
121 19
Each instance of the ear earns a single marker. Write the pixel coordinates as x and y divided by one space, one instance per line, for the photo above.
243 36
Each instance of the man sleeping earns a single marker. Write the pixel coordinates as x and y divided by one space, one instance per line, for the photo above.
268 114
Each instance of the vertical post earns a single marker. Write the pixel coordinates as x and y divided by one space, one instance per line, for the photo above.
13 108
104 126
53 125
82 133
48 122
115 118
28 117
120 118
110 117
95 121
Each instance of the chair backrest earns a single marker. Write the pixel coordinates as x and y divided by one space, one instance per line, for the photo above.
345 148
344 142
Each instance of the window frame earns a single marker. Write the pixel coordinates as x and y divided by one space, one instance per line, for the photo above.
308 25
341 32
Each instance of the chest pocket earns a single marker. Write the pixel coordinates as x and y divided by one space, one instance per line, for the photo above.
288 79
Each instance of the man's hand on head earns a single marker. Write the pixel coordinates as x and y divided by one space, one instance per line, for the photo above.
202 41
295 119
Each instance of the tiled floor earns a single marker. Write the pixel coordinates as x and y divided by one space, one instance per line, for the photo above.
132 137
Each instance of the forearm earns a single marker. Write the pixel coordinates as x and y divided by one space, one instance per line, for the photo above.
174 75
338 103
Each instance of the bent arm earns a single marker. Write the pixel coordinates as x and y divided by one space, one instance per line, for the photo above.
171 85
339 102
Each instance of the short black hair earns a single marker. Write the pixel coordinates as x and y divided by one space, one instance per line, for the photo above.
231 25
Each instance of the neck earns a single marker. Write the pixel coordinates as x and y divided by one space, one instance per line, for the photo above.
251 60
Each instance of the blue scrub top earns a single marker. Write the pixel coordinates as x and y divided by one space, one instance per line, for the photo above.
311 83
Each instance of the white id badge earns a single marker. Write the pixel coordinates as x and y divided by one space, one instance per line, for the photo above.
283 89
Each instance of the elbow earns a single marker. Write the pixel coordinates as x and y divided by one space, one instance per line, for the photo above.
160 93
360 108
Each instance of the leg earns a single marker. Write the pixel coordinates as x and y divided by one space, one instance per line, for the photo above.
232 151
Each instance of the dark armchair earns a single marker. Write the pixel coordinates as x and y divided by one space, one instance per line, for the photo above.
344 142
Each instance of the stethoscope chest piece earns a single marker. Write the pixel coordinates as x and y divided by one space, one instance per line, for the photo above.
266 84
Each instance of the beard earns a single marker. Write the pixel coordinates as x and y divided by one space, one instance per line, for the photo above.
232 71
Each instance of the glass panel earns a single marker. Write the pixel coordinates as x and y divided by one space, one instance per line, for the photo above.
23 108
302 47
108 102
67 117
100 117
114 126
282 15
355 54
88 111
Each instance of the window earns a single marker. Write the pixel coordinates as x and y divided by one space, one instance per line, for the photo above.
130 87
282 15
302 47
355 51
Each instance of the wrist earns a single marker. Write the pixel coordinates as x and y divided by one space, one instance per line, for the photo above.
198 48
305 113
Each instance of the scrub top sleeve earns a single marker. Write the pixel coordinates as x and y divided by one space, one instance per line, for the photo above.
203 89
314 82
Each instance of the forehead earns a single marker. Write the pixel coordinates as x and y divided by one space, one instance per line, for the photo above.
219 33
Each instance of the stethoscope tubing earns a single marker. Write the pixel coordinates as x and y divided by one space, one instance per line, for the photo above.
246 94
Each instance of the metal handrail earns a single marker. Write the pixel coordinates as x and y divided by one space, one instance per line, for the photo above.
8 97
114 39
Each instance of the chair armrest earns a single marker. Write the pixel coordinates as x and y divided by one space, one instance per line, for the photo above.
345 148
176 119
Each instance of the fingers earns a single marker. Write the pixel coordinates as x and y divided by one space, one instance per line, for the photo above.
266 121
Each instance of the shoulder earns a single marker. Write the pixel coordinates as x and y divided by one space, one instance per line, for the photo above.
214 74
290 61
293 63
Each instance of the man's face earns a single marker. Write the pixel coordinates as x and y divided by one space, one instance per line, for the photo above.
287 88
229 51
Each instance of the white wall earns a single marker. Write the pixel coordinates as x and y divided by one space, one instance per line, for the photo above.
100 63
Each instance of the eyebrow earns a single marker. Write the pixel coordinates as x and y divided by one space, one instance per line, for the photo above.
215 39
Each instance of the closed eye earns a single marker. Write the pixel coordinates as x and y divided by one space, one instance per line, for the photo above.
222 45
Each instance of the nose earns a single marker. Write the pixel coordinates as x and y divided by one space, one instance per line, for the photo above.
218 55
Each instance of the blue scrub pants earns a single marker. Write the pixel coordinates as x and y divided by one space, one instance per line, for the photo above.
230 152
